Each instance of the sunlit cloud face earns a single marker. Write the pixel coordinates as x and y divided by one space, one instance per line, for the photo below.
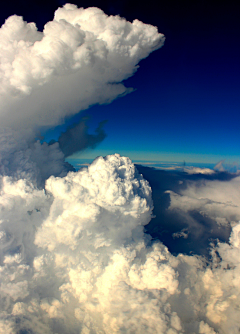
216 199
75 257
78 60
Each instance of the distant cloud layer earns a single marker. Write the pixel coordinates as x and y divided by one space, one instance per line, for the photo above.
79 59
197 170
216 199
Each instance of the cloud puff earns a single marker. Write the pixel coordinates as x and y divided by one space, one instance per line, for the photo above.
78 60
78 251
219 166
198 170
106 191
75 258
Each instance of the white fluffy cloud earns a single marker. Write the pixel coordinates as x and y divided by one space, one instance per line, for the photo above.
78 251
74 257
78 60
216 199
198 170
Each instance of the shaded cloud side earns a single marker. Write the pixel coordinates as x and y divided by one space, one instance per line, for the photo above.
21 157
77 138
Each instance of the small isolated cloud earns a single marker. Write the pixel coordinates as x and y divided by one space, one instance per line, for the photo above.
181 234
198 170
219 166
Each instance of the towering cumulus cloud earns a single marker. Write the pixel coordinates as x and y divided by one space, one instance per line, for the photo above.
78 60
74 257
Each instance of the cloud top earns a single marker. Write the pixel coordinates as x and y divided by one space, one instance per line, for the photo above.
79 59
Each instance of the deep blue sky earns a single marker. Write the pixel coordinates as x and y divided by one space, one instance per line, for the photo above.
187 101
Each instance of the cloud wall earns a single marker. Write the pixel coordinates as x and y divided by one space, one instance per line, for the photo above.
75 259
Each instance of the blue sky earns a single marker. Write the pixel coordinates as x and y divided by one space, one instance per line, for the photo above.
186 100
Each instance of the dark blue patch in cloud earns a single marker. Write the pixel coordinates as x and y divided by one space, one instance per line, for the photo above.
76 138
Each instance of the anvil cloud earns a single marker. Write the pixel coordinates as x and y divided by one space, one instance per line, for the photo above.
78 60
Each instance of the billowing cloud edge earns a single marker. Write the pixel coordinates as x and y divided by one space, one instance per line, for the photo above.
79 59
75 258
